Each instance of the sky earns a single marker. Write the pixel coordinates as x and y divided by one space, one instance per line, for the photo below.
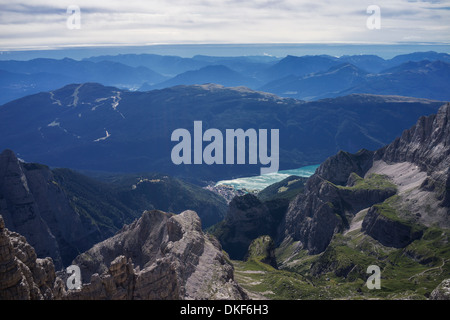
37 24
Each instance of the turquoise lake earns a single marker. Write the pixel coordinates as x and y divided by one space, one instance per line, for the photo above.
260 182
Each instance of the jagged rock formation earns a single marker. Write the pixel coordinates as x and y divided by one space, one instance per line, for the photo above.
389 232
326 208
338 168
427 145
442 291
159 256
415 167
22 275
34 205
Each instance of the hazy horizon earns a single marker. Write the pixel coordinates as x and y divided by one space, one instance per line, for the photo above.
385 51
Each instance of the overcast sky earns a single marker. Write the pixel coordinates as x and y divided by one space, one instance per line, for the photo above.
43 23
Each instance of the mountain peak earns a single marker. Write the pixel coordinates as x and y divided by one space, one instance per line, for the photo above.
427 143
159 244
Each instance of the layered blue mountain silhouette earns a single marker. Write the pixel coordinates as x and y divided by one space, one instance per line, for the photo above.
421 74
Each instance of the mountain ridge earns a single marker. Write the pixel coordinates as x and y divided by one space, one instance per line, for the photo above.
60 127
146 71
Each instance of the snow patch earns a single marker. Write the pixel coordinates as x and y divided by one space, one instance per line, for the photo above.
54 123
116 100
103 138
55 101
75 96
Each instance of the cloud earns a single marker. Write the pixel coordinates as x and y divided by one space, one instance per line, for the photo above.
43 22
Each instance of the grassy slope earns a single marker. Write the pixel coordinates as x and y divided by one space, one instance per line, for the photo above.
372 182
285 189
340 271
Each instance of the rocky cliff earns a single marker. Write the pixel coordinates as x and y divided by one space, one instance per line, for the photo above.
22 275
33 204
427 145
442 291
414 168
159 256
389 232
326 208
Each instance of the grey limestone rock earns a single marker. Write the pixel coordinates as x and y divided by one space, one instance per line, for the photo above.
322 210
391 233
159 256
442 291
22 275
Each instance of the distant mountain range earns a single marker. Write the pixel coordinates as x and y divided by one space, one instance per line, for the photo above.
305 77
209 74
321 84
93 127
301 78
21 78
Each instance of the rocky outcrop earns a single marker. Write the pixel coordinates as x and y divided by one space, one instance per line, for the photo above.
325 208
426 144
311 217
316 215
338 168
34 205
442 291
389 232
22 275
159 256
19 208
417 164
